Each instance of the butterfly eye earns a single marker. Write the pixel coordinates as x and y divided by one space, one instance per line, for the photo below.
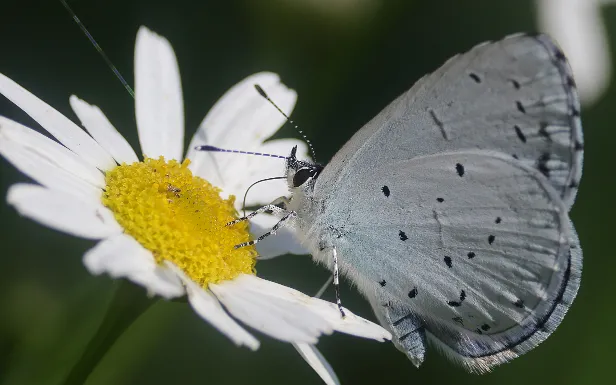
302 175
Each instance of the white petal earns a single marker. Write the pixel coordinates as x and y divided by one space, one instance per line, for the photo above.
350 324
158 97
30 141
315 359
273 309
578 27
208 308
58 125
62 211
255 168
122 256
101 129
241 120
284 242
41 170
288 314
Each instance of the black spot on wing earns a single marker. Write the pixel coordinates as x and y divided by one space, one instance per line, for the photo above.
515 84
475 77
440 200
383 283
447 260
402 236
519 133
485 327
543 131
579 146
413 293
385 190
570 82
542 164
520 107
491 239
519 304
460 169
458 303
498 220
470 255
439 124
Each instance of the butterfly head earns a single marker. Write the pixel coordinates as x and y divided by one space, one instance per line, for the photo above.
301 174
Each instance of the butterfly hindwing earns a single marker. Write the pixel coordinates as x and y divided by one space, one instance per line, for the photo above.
473 243
407 328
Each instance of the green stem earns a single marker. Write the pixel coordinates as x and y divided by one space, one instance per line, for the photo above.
128 303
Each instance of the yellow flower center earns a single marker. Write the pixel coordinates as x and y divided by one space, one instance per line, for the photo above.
179 218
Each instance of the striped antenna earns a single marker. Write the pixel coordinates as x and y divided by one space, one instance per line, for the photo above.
262 93
216 149
99 49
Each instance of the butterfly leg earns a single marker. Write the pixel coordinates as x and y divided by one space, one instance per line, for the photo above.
277 226
337 281
277 206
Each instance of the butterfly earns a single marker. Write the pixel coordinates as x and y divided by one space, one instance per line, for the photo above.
449 209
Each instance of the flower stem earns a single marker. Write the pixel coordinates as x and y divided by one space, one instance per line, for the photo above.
128 303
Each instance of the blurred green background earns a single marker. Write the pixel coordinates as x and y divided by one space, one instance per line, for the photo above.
347 59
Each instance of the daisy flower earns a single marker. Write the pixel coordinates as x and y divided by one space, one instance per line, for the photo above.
160 221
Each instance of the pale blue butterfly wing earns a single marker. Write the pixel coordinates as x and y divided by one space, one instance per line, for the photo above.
486 255
516 96
449 210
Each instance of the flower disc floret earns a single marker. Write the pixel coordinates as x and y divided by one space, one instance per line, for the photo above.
180 218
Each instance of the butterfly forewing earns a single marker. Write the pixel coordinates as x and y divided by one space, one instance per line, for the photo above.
516 96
